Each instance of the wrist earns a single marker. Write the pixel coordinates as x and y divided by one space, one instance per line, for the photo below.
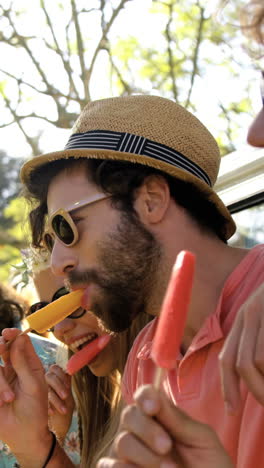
51 451
37 452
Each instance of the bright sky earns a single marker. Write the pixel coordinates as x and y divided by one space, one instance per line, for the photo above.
215 86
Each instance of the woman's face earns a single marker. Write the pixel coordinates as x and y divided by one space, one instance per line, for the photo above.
255 136
76 333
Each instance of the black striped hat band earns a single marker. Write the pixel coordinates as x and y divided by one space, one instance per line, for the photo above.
129 143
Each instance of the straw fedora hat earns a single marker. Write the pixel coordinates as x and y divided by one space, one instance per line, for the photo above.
148 130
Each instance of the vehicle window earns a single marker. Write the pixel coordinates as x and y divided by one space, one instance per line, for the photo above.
250 227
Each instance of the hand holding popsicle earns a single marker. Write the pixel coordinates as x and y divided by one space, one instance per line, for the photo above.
186 443
24 384
168 336
24 404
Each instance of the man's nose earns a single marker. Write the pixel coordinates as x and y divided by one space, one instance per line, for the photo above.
63 259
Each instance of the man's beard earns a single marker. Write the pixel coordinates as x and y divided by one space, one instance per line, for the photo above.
128 264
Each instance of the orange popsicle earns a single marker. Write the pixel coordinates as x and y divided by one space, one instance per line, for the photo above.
85 355
54 312
168 335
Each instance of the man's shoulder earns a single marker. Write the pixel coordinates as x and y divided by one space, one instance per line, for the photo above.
251 266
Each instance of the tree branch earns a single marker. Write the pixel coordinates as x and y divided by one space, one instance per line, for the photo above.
196 55
124 83
31 141
66 63
7 124
55 94
80 46
103 41
170 53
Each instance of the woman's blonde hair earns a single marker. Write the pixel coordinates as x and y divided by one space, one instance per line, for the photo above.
98 400
251 17
252 20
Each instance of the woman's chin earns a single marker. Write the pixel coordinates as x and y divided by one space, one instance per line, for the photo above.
100 366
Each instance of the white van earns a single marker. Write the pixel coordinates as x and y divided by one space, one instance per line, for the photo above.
241 187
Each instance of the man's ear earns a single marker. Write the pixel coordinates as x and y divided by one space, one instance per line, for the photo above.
152 199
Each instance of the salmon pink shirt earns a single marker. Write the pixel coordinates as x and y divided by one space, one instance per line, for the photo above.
194 384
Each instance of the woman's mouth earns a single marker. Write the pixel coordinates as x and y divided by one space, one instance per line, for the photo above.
78 344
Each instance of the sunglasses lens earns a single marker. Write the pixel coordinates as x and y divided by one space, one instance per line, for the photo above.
78 313
37 306
61 292
62 229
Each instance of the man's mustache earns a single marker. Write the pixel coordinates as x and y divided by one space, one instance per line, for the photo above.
84 277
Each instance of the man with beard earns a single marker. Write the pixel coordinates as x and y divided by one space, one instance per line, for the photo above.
134 187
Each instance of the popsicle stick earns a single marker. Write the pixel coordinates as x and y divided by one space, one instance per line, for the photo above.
158 377
24 332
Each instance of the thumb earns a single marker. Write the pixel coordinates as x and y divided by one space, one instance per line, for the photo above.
182 427
178 424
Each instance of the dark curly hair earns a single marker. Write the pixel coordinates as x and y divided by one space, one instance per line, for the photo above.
12 307
119 179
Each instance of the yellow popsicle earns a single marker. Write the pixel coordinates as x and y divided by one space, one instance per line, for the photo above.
54 312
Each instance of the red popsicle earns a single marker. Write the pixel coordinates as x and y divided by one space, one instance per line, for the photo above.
168 336
85 355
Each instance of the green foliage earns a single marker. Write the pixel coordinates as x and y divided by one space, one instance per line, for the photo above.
60 58
9 256
14 238
17 211
190 42
9 185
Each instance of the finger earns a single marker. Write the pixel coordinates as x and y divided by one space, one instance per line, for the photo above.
4 351
63 376
27 364
250 354
8 334
259 352
229 375
111 463
56 403
130 449
146 429
257 308
54 382
192 440
6 393
148 399
183 428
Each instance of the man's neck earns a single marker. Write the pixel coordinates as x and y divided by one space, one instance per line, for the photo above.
212 270
215 261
